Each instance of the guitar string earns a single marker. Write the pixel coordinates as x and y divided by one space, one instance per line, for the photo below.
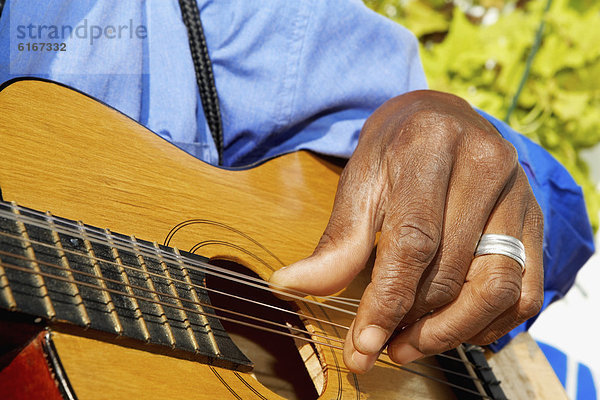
178 298
157 293
345 299
207 268
156 275
165 304
158 253
170 280
102 239
74 281
222 272
467 376
213 315
159 276
191 264
433 378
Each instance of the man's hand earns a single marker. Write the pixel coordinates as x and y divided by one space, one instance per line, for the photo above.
433 176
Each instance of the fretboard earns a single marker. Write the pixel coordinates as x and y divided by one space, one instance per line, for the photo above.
68 272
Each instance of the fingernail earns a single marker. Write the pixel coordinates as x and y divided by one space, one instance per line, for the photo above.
371 339
363 362
404 353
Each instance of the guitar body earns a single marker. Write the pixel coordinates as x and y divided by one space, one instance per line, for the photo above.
64 152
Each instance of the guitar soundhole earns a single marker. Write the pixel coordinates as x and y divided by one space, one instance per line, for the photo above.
278 363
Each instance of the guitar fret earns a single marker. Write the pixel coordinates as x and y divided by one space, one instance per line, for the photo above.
5 290
118 327
6 293
65 263
196 298
186 320
30 253
66 271
125 278
163 316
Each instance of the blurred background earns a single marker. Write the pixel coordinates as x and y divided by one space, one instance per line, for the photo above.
536 65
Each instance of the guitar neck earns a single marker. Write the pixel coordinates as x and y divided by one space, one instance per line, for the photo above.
68 272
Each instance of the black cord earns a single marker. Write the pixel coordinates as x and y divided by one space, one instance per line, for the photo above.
204 72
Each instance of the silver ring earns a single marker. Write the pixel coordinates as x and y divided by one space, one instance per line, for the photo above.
505 245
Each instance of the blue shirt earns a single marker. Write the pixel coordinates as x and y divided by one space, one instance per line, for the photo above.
290 75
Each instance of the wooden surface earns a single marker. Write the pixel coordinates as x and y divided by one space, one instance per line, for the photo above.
524 371
63 152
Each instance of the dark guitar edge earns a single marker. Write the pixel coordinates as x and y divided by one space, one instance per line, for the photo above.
29 365
475 356
60 375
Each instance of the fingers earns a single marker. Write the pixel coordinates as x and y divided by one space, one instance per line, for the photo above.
410 233
432 176
355 360
410 236
403 253
478 304
346 243
472 195
493 286
532 291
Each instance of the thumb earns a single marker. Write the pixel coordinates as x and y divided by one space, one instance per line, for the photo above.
344 248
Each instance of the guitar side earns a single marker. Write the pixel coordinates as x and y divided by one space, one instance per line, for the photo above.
62 151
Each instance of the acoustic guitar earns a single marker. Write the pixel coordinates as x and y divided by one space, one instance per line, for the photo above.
130 269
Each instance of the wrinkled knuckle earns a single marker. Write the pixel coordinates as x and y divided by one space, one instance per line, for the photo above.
448 282
496 157
455 264
442 291
499 292
417 241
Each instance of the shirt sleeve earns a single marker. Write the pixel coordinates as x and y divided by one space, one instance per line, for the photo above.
568 236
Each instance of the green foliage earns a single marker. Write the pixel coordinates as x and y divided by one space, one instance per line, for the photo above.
479 50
